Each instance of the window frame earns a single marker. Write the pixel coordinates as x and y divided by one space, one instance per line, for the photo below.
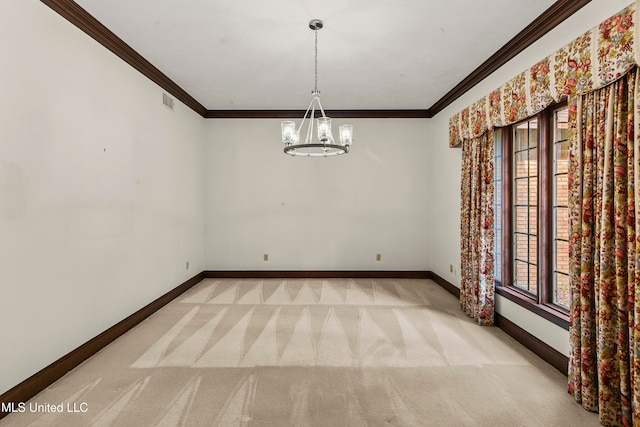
542 303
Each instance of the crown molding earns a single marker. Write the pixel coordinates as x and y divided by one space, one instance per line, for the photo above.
335 114
82 19
553 16
548 20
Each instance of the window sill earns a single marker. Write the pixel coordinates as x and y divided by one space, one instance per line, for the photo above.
553 314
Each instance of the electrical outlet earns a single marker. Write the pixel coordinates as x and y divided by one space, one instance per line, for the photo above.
187 265
378 257
451 268
266 257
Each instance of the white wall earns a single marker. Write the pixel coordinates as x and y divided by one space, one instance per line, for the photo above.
105 193
101 190
444 165
315 213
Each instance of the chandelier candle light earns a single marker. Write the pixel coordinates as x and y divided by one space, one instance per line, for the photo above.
322 144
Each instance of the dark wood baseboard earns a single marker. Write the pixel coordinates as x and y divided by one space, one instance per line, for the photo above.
547 353
47 376
316 274
449 287
539 347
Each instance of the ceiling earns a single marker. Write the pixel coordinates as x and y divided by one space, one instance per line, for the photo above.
372 54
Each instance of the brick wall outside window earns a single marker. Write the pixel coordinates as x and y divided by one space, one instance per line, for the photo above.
532 179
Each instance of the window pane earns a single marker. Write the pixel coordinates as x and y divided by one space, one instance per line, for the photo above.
561 192
521 247
533 192
533 279
561 124
533 249
533 220
521 137
525 206
562 256
561 290
521 190
521 275
561 156
521 219
561 223
533 133
560 210
521 164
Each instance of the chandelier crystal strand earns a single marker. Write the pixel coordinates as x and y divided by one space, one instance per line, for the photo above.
323 143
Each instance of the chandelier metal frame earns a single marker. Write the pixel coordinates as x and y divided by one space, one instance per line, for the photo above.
320 143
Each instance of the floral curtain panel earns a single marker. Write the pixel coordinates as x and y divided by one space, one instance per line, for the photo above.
598 73
594 60
477 235
604 366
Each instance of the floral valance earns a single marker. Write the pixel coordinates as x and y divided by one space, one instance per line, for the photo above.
591 61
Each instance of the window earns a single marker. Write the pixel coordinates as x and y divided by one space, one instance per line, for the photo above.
531 208
561 208
525 206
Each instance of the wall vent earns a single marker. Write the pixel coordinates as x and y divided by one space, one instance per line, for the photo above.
167 101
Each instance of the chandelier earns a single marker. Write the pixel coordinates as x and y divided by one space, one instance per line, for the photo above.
321 142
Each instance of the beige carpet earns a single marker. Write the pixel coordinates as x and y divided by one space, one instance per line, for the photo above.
333 352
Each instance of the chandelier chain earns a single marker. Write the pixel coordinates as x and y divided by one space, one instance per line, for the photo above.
316 61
